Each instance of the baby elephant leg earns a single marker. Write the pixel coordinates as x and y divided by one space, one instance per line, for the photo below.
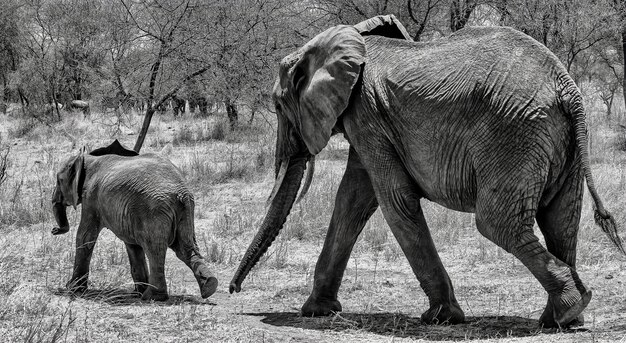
157 287
138 266
198 265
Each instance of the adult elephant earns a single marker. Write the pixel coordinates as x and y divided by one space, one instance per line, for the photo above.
485 121
143 199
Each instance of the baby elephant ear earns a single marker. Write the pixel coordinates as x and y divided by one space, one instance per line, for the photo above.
77 177
326 70
383 25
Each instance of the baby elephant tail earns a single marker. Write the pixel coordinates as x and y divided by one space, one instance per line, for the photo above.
187 250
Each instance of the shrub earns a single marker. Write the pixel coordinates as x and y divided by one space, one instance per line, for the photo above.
24 127
621 138
200 132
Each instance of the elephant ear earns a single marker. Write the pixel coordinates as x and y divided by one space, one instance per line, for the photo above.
115 148
383 25
72 177
321 76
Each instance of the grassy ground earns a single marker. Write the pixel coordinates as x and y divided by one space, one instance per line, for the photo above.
231 174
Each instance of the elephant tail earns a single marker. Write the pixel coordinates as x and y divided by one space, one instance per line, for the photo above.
572 101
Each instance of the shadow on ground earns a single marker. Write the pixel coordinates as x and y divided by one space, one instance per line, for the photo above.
395 324
118 296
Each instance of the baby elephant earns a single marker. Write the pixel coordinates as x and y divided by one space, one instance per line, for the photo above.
144 201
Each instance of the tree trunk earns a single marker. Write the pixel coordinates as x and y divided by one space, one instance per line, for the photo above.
152 107
231 111
144 127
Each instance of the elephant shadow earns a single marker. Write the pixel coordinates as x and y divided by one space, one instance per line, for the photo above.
123 297
400 325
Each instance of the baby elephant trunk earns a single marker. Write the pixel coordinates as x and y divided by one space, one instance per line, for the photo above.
60 214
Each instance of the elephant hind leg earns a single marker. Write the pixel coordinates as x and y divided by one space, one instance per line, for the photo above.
157 287
186 250
198 265
138 266
505 215
559 222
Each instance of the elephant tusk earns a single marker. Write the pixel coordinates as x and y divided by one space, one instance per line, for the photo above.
309 178
279 181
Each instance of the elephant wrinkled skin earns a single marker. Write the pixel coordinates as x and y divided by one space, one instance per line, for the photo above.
486 120
143 199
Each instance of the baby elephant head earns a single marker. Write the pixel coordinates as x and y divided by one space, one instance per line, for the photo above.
68 190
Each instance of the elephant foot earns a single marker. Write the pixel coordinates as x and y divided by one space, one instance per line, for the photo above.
154 294
208 287
444 314
206 280
560 315
315 307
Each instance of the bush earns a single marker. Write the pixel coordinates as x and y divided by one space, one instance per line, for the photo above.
621 138
195 133
24 127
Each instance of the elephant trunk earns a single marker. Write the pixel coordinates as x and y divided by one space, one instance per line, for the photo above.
60 215
281 203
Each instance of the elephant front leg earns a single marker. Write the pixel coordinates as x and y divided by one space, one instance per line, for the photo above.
138 266
86 237
354 205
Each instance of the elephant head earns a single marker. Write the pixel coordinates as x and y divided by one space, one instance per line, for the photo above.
70 180
313 89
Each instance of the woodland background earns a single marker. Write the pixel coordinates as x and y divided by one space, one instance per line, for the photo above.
130 59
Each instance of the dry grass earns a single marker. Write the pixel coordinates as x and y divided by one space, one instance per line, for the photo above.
231 174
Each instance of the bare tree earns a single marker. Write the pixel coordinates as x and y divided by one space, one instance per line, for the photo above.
422 13
460 12
163 26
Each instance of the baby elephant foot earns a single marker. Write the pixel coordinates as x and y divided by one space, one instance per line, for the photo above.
315 307
206 280
444 314
154 294
558 314
208 287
